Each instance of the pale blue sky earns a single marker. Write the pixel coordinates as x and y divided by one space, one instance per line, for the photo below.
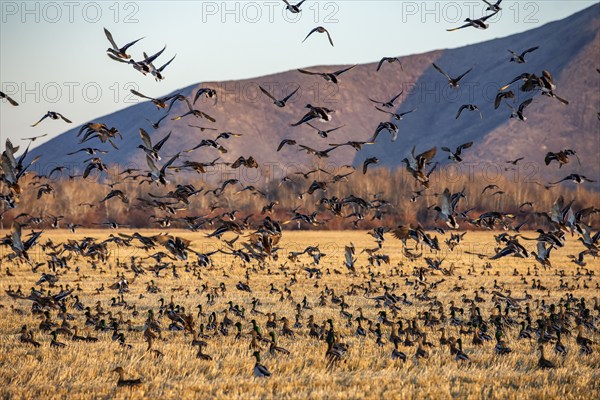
53 53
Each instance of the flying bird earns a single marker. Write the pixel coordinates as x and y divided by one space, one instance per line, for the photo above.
454 82
389 60
207 92
518 114
293 8
319 29
328 76
52 115
475 23
456 155
520 58
116 51
468 107
369 161
279 103
387 104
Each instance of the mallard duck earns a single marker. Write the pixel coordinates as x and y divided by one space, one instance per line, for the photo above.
273 348
260 371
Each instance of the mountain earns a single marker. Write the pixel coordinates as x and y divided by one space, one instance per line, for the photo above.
569 49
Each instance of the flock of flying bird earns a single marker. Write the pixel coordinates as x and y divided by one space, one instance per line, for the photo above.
254 244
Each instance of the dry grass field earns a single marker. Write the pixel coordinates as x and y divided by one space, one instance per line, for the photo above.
84 370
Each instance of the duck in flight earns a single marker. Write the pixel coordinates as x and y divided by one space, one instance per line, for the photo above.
503 95
34 138
387 104
562 157
322 113
52 115
468 107
324 133
389 126
116 51
520 58
454 82
150 149
159 102
575 178
319 29
518 114
396 116
293 8
456 155
157 72
475 23
389 60
328 76
208 92
493 7
279 103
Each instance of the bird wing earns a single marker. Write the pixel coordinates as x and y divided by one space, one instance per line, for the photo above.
529 50
269 94
110 39
41 119
488 17
64 118
341 71
464 146
309 33
462 76
396 97
525 104
329 37
150 59
146 138
308 72
286 98
135 92
128 45
460 27
441 71
460 110
524 75
160 144
166 64
384 111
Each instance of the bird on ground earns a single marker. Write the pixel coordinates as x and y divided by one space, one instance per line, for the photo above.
126 382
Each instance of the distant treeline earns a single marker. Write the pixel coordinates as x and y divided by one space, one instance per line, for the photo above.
79 201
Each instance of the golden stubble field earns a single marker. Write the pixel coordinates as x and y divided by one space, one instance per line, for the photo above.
84 370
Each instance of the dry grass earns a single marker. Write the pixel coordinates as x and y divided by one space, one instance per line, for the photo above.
83 370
